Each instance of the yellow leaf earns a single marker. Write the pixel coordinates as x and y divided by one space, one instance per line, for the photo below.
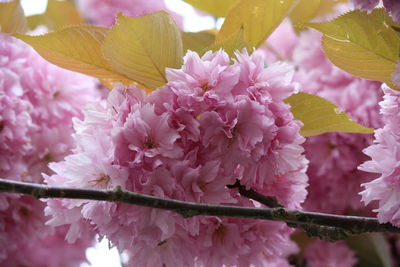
58 15
321 116
258 18
141 48
77 48
217 8
35 20
230 45
197 41
61 14
304 11
362 44
12 18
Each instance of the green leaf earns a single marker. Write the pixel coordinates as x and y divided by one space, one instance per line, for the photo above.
321 116
230 45
371 249
258 18
12 18
77 48
197 41
217 8
141 48
362 44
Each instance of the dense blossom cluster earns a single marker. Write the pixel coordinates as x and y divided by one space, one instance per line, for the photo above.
37 102
334 157
213 123
384 161
218 121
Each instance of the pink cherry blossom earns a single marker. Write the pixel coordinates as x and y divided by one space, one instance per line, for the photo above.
392 6
325 254
365 5
212 124
384 154
104 12
37 103
334 157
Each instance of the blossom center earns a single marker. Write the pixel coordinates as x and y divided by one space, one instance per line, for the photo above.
150 143
103 179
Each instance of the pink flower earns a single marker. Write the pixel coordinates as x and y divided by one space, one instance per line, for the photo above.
145 136
203 79
35 128
365 5
241 242
281 43
51 250
325 254
53 92
212 123
334 157
103 12
384 155
392 6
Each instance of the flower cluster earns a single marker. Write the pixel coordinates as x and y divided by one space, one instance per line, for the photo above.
213 124
334 157
38 101
384 155
321 253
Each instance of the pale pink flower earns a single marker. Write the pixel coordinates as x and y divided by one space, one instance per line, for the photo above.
384 155
51 250
325 254
242 242
203 79
21 218
54 92
188 140
281 43
35 128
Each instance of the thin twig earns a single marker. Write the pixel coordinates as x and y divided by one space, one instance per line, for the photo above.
327 233
352 224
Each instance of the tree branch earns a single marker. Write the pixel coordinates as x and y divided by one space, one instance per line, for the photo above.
352 224
327 233
268 201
